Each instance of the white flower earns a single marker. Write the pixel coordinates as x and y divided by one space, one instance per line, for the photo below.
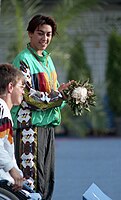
80 94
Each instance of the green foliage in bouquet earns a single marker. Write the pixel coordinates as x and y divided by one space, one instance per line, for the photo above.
113 73
80 96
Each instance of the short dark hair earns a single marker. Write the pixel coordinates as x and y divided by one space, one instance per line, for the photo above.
8 73
41 20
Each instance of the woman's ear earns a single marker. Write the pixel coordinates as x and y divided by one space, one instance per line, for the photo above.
10 87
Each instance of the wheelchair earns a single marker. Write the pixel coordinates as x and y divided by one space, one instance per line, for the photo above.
7 193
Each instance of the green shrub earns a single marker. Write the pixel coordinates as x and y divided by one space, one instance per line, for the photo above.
78 68
113 73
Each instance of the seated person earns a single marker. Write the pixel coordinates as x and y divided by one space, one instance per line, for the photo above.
11 93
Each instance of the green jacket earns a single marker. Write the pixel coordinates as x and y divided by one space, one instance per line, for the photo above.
41 76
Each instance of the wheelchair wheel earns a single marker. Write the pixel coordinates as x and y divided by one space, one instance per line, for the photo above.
6 195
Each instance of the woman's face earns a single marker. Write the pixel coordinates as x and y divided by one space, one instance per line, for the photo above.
41 37
17 93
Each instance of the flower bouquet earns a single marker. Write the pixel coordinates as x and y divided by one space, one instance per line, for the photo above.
80 96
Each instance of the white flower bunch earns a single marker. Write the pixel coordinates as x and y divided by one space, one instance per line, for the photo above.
80 96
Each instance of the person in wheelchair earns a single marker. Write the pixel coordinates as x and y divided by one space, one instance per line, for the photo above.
12 183
11 93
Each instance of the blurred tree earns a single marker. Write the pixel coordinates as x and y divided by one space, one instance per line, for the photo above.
15 17
113 73
78 67
113 78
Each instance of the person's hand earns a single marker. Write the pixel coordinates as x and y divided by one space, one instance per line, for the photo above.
18 179
64 86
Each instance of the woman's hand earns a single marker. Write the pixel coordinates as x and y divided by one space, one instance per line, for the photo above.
64 86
